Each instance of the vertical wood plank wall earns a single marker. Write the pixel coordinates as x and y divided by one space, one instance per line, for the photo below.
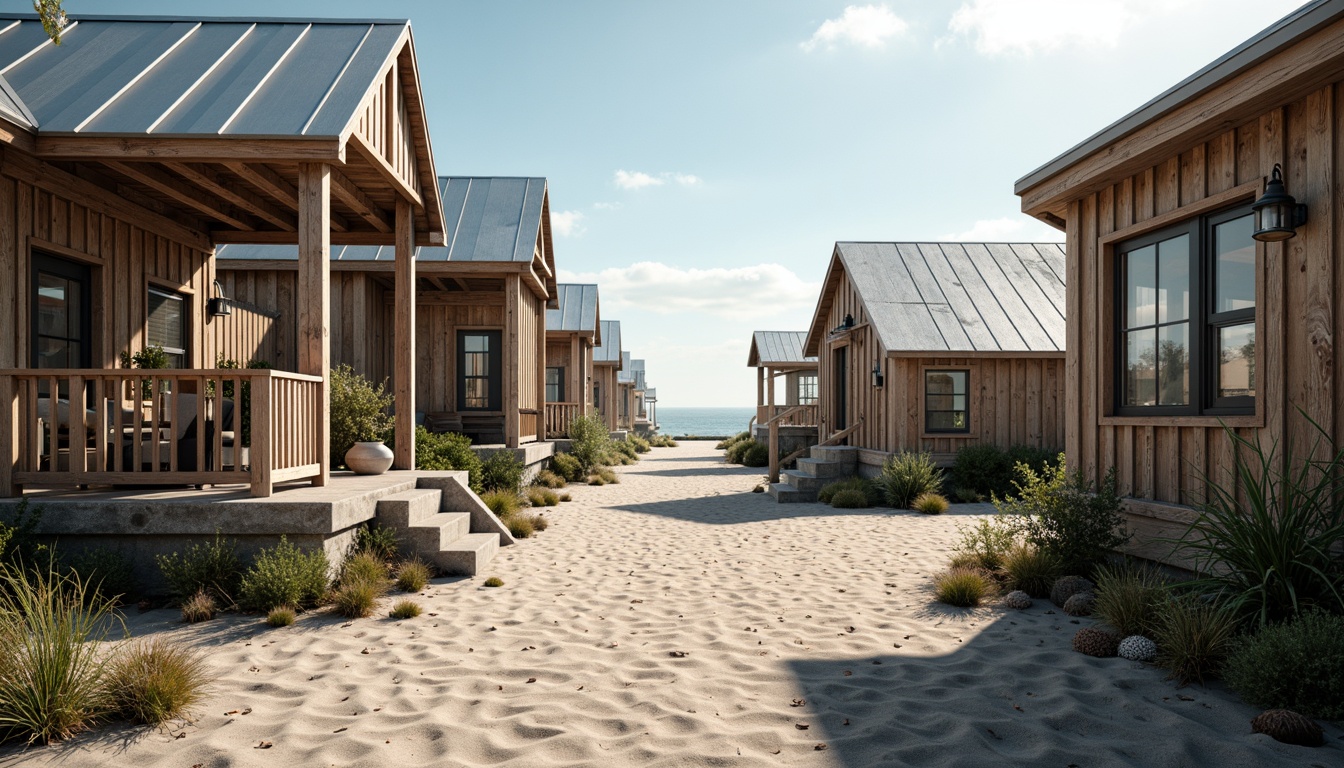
1300 316
608 403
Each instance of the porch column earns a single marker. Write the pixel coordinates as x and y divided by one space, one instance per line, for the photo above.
9 437
404 376
575 394
314 297
773 442
760 391
512 359
540 325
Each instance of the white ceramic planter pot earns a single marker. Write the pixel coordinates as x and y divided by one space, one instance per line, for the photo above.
372 458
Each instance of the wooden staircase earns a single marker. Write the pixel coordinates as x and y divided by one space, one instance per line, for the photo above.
827 464
444 523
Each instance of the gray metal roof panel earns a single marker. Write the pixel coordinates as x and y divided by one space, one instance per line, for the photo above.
609 351
12 107
780 347
627 373
578 309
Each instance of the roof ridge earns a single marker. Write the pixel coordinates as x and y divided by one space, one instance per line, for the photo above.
170 18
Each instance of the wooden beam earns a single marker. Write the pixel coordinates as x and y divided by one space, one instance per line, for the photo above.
210 150
270 237
448 269
512 360
203 176
461 283
346 191
314 296
403 378
183 193
438 282
389 174
460 298
277 187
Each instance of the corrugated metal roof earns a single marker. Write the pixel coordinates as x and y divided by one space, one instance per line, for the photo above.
637 367
488 219
627 373
609 351
166 76
578 309
651 395
955 297
12 107
778 348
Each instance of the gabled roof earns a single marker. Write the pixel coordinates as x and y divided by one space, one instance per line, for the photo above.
651 395
627 372
637 371
608 350
952 297
578 311
12 107
778 348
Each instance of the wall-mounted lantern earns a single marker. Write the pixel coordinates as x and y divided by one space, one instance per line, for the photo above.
219 306
877 374
845 325
1277 214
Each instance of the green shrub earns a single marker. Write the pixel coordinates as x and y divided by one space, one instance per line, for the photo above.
1193 637
990 540
1276 554
199 607
542 497
18 536
625 450
930 504
211 566
502 503
756 455
502 472
1297 665
377 541
566 497
413 576
739 437
284 575
406 609
282 616
1128 597
359 411
603 476
52 668
521 526
357 598
662 441
494 581
849 498
963 587
1031 570
965 495
983 468
907 476
441 452
568 467
548 479
540 523
106 571
156 680
861 484
589 440
1066 515
638 443
364 566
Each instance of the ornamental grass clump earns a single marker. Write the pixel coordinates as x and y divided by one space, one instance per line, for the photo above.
540 522
406 609
364 567
963 587
413 575
567 467
502 503
1297 665
282 616
356 599
542 497
156 680
494 581
735 439
199 607
589 440
209 566
285 575
1128 597
1030 569
521 526
1193 637
930 504
907 476
548 479
603 476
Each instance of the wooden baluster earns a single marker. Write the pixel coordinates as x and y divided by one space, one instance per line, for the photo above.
99 384
36 437
261 436
203 385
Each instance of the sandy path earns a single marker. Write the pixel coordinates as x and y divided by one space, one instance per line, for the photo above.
577 660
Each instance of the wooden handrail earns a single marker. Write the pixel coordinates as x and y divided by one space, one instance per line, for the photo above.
776 462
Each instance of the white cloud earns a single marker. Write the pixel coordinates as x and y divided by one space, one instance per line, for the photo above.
725 292
684 179
567 223
1028 27
607 206
636 180
1009 229
865 26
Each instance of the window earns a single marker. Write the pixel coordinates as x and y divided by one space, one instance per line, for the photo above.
167 325
479 365
807 389
945 401
1185 319
60 314
555 385
597 396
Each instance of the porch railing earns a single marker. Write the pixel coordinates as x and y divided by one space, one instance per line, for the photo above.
558 418
83 427
794 415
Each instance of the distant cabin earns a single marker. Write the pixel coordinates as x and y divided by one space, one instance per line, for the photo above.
608 361
573 329
786 378
936 346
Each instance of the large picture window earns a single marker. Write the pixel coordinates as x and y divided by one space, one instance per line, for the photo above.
479 366
167 326
946 401
1185 318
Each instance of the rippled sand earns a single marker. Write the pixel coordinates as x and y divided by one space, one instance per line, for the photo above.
677 619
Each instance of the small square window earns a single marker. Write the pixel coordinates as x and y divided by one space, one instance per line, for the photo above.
947 401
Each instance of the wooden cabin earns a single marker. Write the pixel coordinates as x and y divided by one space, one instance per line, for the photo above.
481 300
639 403
608 361
1181 320
572 331
127 154
625 393
779 355
934 346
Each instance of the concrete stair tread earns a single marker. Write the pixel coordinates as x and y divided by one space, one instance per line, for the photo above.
410 508
787 494
436 531
467 555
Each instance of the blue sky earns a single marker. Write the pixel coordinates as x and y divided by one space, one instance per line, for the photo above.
703 157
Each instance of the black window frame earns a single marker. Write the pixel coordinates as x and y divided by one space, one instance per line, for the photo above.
183 353
1203 323
559 383
74 272
930 430
494 375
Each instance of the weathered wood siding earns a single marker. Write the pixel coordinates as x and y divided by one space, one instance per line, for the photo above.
608 404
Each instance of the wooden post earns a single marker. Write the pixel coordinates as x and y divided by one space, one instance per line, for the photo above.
575 394
262 415
404 372
314 297
512 359
540 329
760 389
774 428
9 437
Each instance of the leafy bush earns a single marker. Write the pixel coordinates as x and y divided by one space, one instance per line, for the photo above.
364 566
989 540
930 504
849 498
377 541
359 411
283 616
988 470
441 452
589 440
494 581
548 479
906 476
357 598
413 576
603 476
662 441
521 526
1297 665
284 575
52 670
638 443
502 472
542 497
406 609
730 442
864 485
566 497
18 537
1066 515
1128 597
1193 637
963 587
625 451
1030 569
153 681
965 495
106 571
756 455
502 503
1277 554
568 467
211 566
199 607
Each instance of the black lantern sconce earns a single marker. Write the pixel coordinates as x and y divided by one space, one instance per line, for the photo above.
1277 214
219 306
845 324
877 374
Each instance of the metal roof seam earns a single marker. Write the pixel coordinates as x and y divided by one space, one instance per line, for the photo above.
317 110
984 322
457 228
69 28
204 76
997 301
1032 275
132 81
522 211
261 83
1031 310
923 302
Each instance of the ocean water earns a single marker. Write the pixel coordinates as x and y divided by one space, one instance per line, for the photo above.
703 421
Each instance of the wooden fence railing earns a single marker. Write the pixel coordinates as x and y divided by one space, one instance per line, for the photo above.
82 427
798 415
558 418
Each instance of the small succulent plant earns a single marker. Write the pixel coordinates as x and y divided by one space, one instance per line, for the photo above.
1017 599
1094 641
1137 648
1069 586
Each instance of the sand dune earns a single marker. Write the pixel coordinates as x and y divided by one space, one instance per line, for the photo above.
677 619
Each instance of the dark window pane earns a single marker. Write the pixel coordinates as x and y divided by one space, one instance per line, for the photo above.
53 353
53 304
1235 269
1141 367
946 421
1173 277
1141 287
1173 365
1236 361
941 403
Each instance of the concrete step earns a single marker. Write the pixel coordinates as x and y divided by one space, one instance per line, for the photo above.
842 454
827 469
408 508
431 535
787 494
468 555
804 482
